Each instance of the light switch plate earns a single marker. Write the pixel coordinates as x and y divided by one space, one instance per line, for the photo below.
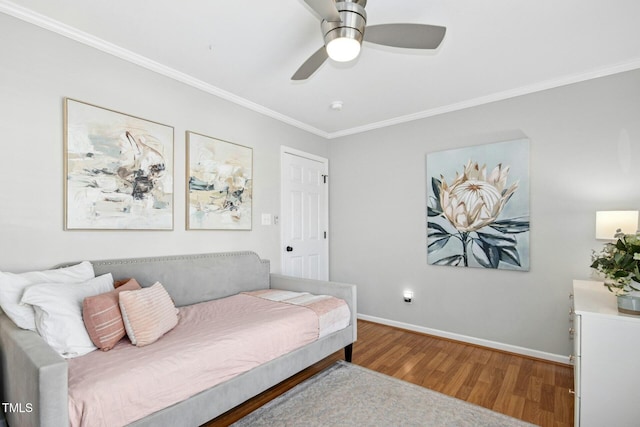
266 219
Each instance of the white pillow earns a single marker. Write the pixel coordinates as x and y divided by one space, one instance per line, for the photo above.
12 286
58 309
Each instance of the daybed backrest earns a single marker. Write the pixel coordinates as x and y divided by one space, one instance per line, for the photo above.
190 279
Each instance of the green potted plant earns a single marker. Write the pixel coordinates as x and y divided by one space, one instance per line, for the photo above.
619 263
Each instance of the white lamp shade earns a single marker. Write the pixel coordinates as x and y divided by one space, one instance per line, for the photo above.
608 222
343 49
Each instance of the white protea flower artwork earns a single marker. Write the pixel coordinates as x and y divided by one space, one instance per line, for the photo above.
473 201
466 217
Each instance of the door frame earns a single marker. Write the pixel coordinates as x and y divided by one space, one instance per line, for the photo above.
284 150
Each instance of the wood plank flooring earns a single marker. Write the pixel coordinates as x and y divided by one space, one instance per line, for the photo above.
533 390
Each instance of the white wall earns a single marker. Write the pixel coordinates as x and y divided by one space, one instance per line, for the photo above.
585 156
37 70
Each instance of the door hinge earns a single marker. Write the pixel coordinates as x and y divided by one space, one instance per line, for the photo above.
324 178
325 234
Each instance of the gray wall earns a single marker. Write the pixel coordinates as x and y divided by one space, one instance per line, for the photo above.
37 70
585 156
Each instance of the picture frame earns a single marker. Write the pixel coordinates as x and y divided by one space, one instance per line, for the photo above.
118 170
478 206
219 184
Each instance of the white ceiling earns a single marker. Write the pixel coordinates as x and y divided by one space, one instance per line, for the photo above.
246 51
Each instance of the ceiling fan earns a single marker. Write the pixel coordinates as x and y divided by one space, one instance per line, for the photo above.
343 28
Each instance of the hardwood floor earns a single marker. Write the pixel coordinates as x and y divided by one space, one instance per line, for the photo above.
533 390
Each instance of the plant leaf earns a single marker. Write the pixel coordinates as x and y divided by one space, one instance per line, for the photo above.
510 255
435 186
438 244
436 226
497 239
511 226
433 212
486 254
450 260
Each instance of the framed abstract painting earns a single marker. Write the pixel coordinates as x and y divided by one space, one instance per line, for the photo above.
478 206
118 170
219 184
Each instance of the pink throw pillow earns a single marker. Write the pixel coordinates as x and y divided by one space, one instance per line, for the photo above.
148 314
102 317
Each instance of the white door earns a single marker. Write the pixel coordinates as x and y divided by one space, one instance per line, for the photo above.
304 215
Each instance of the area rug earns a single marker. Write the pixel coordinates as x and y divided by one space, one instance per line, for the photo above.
349 395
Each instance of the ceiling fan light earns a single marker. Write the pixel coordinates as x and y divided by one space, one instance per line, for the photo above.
343 49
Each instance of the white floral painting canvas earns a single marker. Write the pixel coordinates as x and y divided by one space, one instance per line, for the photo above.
219 184
478 206
119 170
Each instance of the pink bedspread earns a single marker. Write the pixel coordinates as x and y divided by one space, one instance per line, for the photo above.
213 342
333 313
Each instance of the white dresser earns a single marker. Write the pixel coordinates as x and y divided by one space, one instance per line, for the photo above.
606 356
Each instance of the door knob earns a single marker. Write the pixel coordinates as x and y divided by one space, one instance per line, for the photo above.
289 249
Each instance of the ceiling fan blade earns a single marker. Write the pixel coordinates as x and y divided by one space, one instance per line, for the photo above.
326 9
311 65
411 36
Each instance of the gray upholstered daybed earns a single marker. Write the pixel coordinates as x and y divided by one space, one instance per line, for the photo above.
32 373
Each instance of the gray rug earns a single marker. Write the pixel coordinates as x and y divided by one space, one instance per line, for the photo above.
350 395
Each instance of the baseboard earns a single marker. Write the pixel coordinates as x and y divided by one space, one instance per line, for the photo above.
557 358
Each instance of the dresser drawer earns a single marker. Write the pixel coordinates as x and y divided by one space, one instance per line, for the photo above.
605 346
576 335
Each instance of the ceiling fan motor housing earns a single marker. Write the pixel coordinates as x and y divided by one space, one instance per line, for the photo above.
354 20
343 30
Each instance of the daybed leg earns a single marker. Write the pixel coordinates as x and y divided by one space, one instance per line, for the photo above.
348 352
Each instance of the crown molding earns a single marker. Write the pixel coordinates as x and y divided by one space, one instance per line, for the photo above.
62 29
47 23
499 96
